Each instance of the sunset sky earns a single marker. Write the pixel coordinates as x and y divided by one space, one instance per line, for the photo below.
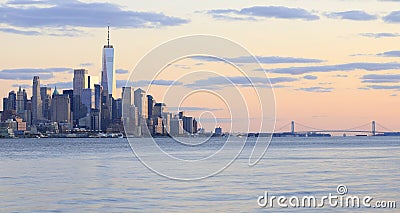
333 64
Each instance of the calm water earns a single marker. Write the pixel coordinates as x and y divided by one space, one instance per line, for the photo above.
102 175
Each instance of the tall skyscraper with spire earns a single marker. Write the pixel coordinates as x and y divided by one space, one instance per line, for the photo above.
108 81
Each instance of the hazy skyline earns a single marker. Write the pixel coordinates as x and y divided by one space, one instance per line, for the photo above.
332 64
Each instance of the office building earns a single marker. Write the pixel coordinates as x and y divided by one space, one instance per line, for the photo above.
108 81
20 102
127 100
97 96
5 104
79 84
150 106
36 101
159 109
45 95
80 81
12 101
140 101
176 127
188 124
60 109
194 126
88 99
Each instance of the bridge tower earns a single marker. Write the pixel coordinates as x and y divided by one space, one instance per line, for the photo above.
292 128
373 127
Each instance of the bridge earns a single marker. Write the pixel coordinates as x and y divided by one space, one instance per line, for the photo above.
368 128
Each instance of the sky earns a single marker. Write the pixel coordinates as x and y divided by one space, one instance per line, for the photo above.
333 64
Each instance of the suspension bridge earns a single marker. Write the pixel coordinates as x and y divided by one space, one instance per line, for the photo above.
300 130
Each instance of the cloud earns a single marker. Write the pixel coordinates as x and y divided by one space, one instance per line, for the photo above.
282 80
316 89
375 78
28 73
355 15
310 77
61 85
384 87
380 35
338 67
23 86
250 13
218 82
145 83
274 60
261 59
20 32
395 53
66 14
193 109
122 71
393 17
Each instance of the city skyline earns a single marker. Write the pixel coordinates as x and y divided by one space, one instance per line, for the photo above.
328 63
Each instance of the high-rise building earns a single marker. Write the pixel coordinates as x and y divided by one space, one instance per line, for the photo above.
70 94
45 95
36 101
60 109
108 80
95 121
141 103
20 102
150 106
194 126
118 109
12 101
79 84
188 124
176 127
159 109
127 101
88 99
5 104
80 81
97 96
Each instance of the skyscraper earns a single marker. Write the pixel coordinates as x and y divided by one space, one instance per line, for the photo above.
127 100
60 109
97 96
80 82
150 106
20 102
141 103
188 124
12 100
45 95
88 99
5 103
108 73
36 101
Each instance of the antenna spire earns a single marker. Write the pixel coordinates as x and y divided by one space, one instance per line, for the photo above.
108 35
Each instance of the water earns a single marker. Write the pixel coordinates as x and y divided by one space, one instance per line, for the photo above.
102 175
